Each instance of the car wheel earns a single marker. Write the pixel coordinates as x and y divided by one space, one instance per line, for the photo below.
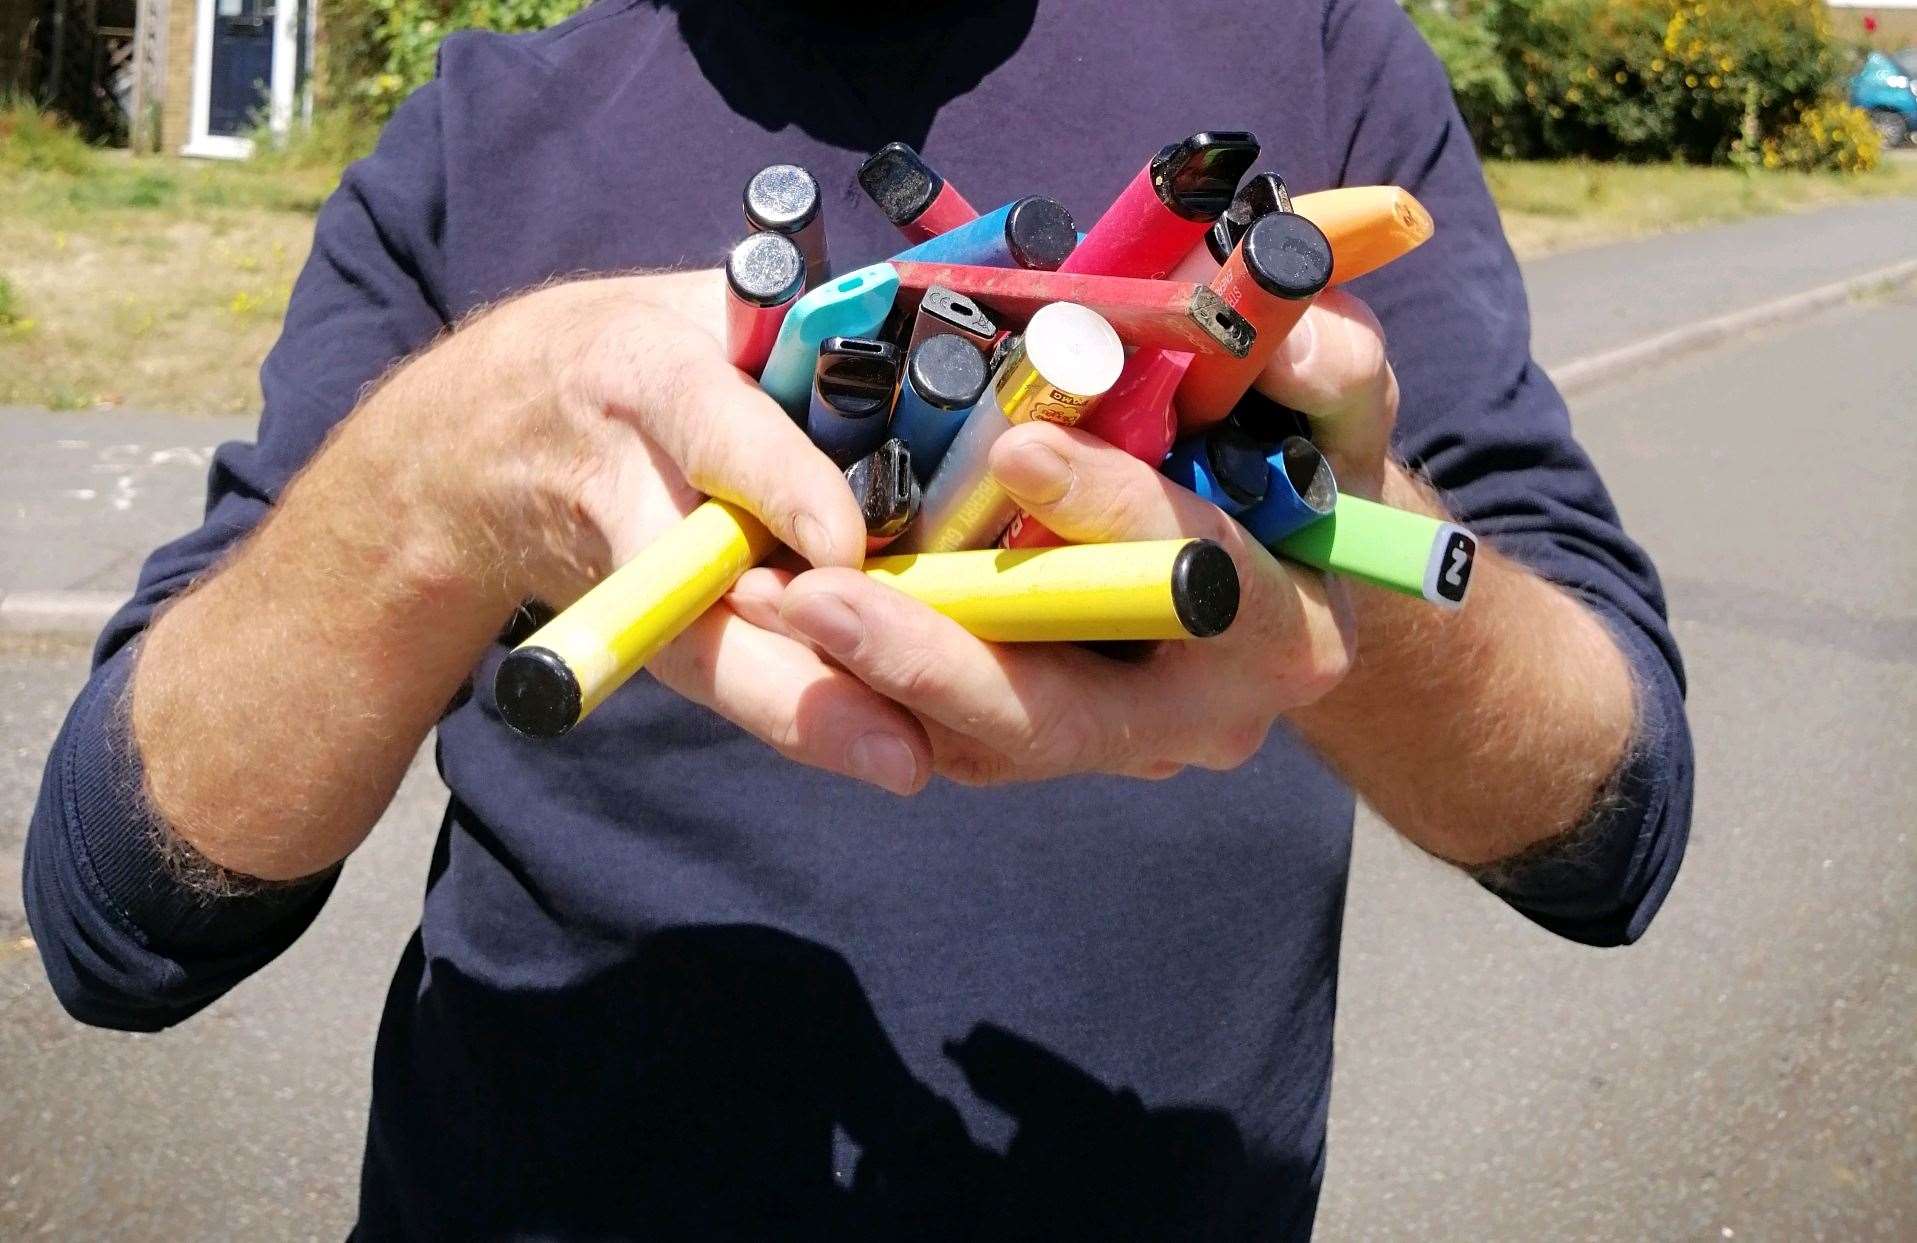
1891 127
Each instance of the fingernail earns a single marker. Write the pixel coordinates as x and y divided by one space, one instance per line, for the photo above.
1300 342
1035 473
813 544
884 761
829 622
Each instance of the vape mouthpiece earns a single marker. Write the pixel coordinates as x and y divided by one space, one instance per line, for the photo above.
900 182
1196 178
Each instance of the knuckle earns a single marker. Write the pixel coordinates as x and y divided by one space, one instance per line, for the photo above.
918 675
1114 510
788 736
1062 737
1320 659
1236 744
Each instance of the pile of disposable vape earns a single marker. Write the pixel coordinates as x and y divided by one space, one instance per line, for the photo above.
1148 331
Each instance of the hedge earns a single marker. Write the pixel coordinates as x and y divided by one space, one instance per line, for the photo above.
378 51
1707 81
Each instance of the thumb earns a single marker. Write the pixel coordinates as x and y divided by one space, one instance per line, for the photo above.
1333 370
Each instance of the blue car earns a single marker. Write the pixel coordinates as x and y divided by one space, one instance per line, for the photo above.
1886 88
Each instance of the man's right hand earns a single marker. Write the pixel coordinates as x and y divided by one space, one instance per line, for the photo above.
629 414
525 455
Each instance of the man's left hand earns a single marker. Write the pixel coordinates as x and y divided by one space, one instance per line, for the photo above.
998 713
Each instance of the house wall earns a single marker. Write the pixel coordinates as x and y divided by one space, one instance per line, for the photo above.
176 119
1896 22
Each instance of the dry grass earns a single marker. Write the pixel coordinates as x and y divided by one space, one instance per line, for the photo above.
161 312
152 283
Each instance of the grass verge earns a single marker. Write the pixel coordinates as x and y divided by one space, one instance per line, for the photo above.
156 283
1550 206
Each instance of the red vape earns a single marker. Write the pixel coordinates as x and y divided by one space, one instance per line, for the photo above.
918 202
765 274
1167 208
1280 265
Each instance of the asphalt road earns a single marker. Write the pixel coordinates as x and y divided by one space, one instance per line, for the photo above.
1747 1072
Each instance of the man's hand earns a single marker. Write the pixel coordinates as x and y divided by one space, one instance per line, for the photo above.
525 454
1477 734
645 417
1010 712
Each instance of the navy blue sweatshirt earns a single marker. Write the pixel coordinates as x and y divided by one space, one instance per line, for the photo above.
666 984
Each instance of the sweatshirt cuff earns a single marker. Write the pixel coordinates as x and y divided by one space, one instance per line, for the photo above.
121 848
1603 886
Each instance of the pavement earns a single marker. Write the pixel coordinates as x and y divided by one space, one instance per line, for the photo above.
1592 302
1744 1073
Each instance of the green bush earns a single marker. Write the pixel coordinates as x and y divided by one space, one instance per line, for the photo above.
39 142
334 137
1703 81
380 50
1471 56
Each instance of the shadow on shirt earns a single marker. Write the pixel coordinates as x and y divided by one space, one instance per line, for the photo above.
877 72
693 1092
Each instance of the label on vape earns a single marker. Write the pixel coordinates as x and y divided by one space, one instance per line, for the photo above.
1023 394
1449 575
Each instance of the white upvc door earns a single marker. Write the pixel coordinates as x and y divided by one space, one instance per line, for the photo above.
238 46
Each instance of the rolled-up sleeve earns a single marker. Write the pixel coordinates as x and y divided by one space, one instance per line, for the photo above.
1487 426
126 941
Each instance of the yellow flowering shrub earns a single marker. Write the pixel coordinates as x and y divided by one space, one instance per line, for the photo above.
1833 137
1706 81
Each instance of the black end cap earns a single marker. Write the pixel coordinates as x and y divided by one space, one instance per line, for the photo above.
947 371
536 692
766 269
857 375
1238 464
900 182
961 312
1196 178
1204 589
887 491
1287 255
1040 233
1269 423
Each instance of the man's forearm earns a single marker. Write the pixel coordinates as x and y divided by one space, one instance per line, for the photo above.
277 705
1479 733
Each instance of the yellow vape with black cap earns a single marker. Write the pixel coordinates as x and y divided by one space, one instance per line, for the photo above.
550 682
1157 589
1080 593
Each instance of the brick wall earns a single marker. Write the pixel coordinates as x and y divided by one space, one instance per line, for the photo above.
176 118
